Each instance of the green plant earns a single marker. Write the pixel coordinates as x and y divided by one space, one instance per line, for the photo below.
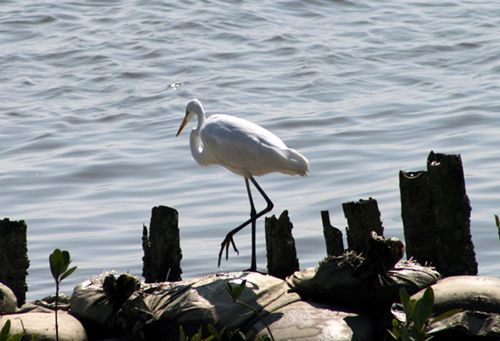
418 317
16 337
195 337
235 293
59 262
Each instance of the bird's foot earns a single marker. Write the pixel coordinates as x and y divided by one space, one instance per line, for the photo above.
225 245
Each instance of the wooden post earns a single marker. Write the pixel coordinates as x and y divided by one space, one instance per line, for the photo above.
14 257
282 258
452 210
419 221
162 251
333 236
363 217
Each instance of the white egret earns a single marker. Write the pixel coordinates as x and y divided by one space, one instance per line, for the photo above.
245 149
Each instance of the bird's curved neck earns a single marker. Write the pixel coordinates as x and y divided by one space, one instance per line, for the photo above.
195 140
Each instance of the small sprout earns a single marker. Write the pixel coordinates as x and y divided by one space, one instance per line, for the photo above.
235 293
247 336
59 262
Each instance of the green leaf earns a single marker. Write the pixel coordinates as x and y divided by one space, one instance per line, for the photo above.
228 287
5 330
411 310
237 291
243 284
213 331
59 262
423 309
444 316
68 273
66 260
247 336
229 333
16 337
405 301
56 260
196 337
182 336
393 335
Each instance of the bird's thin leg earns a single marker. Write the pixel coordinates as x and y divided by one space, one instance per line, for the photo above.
229 237
253 264
252 213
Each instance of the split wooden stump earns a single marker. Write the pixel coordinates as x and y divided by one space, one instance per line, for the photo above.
436 216
363 217
282 258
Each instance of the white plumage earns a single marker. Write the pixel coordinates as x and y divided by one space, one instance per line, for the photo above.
245 149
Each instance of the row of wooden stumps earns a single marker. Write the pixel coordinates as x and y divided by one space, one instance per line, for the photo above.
435 212
436 220
163 254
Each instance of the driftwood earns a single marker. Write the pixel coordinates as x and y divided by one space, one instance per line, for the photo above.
282 258
333 236
363 217
162 251
14 257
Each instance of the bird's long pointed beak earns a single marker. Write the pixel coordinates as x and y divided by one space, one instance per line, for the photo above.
183 124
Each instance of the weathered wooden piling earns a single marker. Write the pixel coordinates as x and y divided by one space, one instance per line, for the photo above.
363 217
282 258
333 236
14 257
417 212
452 210
162 251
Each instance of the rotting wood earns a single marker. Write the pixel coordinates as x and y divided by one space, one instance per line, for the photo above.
282 258
452 210
363 217
14 257
333 236
417 212
162 251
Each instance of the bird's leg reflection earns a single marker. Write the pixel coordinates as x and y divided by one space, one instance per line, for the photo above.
253 218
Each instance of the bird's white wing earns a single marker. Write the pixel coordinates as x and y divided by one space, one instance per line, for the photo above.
246 148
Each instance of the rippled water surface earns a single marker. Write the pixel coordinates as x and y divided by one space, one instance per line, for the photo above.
93 92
